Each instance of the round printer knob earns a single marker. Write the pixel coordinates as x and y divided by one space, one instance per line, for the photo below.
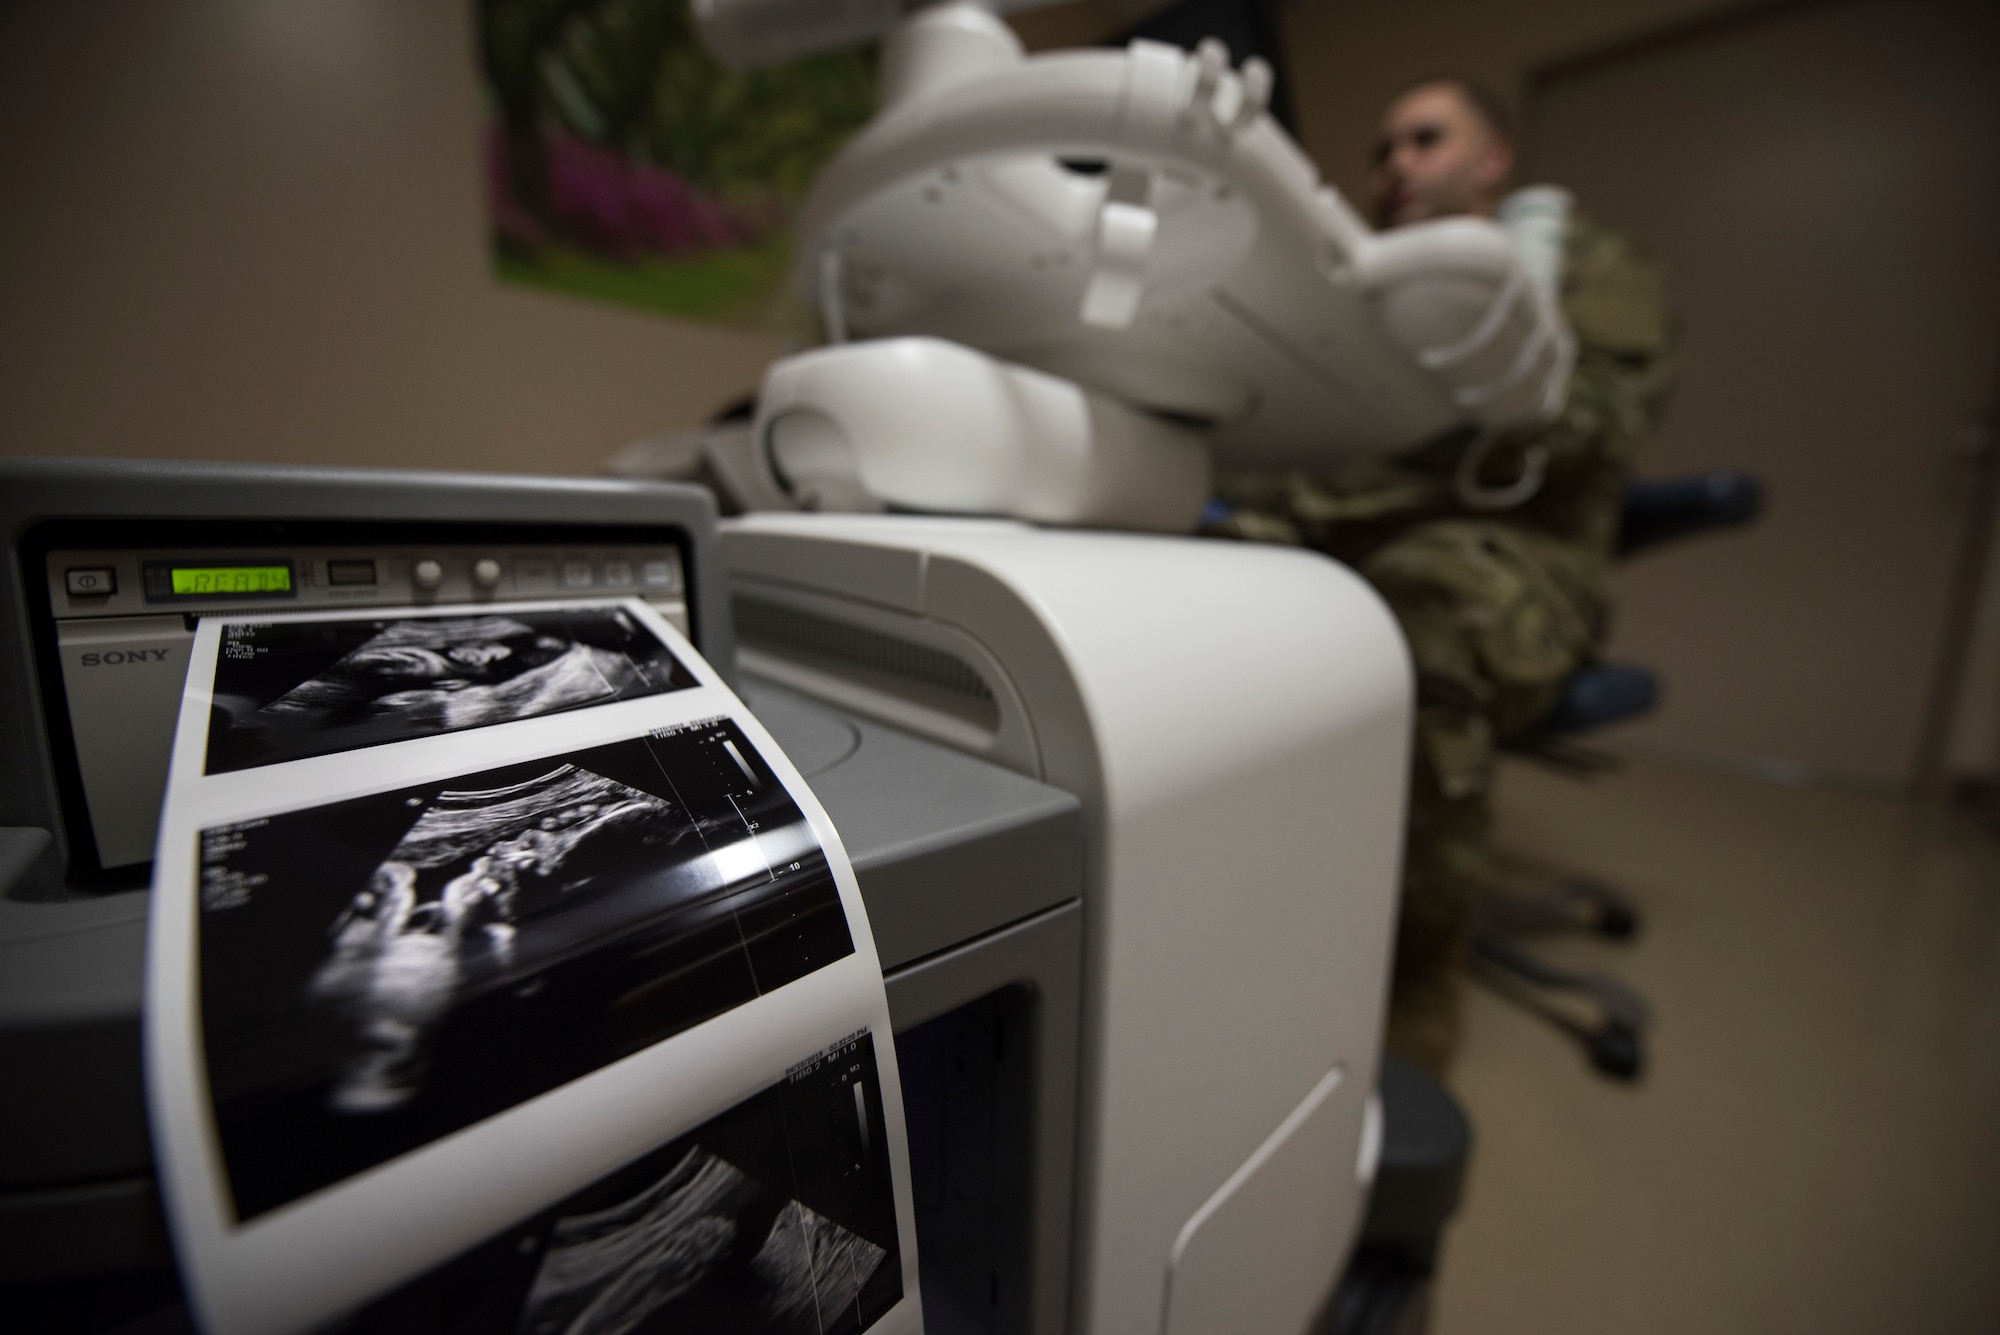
486 572
427 574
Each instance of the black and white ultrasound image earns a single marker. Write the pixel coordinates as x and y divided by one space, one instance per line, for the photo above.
777 1217
290 690
381 971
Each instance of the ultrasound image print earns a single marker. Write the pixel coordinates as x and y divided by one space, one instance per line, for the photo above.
288 690
811 1264
400 947
610 1269
382 971
777 1217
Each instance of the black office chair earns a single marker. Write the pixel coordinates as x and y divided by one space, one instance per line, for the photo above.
1595 696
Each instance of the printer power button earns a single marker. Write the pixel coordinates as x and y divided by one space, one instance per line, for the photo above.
91 582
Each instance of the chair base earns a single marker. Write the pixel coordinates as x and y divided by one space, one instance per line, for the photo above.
1549 903
1613 1031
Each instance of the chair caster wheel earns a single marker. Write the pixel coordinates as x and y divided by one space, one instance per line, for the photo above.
1617 921
1606 912
1615 1050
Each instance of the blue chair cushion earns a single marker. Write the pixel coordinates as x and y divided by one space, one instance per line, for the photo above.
1654 512
1600 694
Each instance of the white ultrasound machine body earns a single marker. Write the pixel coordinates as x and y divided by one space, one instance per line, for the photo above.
1126 807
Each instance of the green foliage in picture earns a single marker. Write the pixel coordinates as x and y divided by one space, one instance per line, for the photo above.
626 164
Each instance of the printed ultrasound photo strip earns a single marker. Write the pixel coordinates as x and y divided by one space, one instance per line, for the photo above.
289 689
728 1228
379 972
532 968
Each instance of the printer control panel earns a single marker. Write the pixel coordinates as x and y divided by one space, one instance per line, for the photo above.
85 584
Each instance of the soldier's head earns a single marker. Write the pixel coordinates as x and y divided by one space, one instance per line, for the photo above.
1445 148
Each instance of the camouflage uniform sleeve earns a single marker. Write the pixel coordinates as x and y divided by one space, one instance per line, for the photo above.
1305 508
1615 300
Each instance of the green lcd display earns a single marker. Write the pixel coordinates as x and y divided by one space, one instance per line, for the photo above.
209 581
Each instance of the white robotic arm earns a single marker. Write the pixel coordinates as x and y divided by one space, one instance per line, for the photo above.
1134 221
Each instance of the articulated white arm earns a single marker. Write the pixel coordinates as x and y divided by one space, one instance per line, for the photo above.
1121 235
1135 221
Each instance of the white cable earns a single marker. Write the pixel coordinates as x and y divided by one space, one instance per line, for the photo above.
1478 496
1446 355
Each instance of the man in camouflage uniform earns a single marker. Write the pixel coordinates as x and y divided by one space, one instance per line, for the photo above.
1499 607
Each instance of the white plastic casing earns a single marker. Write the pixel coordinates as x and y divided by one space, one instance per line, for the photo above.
1202 269
1235 720
929 425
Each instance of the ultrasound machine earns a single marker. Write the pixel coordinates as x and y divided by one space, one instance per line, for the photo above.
1126 808
1127 835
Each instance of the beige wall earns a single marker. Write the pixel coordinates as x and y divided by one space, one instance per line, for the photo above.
249 230
1838 341
1075 23
1348 57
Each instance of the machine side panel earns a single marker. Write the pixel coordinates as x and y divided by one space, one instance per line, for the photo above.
1248 712
1043 955
1281 1215
1235 720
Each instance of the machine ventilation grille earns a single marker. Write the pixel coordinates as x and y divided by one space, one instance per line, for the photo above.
806 635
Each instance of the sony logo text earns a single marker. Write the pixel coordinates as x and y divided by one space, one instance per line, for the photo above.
114 656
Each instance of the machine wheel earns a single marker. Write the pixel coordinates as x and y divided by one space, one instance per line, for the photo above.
1618 921
1608 913
1617 1051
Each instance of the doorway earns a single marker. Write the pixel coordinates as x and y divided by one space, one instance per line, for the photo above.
1822 183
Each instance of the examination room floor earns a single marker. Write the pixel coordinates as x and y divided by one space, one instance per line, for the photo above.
1816 1145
